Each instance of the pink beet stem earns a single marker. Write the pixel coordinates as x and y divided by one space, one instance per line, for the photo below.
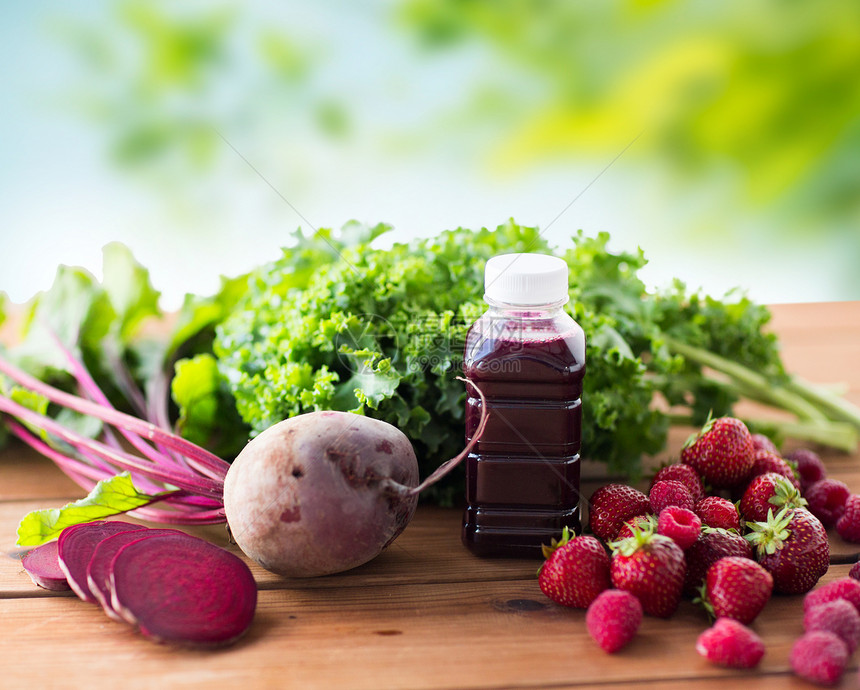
211 462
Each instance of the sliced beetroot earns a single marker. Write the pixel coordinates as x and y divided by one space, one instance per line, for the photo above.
43 566
98 570
182 589
76 546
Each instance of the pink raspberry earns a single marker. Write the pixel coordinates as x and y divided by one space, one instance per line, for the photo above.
718 512
679 524
669 492
838 617
732 644
685 474
613 618
809 466
848 526
819 657
826 499
842 588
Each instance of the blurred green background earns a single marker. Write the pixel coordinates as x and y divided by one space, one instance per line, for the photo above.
722 138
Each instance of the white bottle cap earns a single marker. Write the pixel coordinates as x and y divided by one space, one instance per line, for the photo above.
526 279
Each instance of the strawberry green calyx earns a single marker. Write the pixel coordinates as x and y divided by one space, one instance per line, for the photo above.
704 601
770 536
786 495
696 435
549 549
643 533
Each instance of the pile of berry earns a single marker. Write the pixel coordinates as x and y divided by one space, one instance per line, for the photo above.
727 526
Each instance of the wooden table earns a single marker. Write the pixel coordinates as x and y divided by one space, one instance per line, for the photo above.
425 614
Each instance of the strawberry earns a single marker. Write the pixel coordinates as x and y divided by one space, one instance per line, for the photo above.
685 474
679 524
769 491
841 588
730 643
762 442
839 617
826 499
792 546
736 588
613 618
716 511
810 469
651 567
668 492
575 571
641 521
848 526
854 573
613 504
721 452
766 461
819 657
711 546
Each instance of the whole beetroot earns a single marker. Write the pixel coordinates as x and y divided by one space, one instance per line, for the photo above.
310 495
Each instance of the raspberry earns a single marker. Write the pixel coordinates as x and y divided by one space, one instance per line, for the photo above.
843 588
716 511
669 492
732 644
848 526
679 524
819 657
809 466
684 474
613 618
826 499
838 617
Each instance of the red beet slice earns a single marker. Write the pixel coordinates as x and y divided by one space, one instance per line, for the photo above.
43 566
76 545
98 570
182 589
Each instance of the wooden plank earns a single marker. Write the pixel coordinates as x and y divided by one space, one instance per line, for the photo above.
475 635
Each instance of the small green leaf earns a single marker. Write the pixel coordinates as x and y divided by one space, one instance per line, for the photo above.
109 497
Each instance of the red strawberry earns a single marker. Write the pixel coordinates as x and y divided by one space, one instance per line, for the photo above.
612 505
668 492
819 657
762 442
854 573
736 588
792 546
841 588
575 572
769 492
679 524
730 643
651 567
810 469
766 461
685 474
711 546
826 499
716 511
613 619
848 526
642 522
721 452
839 617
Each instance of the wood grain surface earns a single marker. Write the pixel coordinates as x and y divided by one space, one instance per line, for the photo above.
425 614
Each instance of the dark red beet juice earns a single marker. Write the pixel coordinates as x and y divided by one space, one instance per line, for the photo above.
527 355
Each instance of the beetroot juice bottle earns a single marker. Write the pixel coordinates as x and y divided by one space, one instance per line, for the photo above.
527 355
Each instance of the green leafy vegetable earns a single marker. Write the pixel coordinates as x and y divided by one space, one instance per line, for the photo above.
109 497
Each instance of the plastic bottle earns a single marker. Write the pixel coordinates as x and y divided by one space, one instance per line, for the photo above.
527 355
